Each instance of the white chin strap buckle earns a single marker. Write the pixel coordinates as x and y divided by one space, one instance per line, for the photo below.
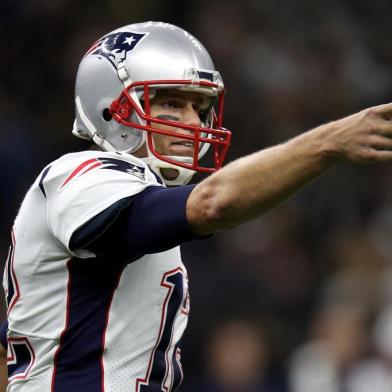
157 165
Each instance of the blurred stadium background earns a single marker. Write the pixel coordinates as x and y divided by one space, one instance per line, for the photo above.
298 300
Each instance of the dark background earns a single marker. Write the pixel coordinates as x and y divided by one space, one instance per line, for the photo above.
314 269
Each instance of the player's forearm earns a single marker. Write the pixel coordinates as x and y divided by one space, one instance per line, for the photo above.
249 186
254 184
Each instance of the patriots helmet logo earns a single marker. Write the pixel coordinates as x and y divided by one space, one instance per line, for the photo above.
116 46
105 163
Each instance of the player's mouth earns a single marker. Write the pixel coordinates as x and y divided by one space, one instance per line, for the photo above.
181 148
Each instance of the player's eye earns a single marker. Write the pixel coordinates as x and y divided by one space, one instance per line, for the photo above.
172 104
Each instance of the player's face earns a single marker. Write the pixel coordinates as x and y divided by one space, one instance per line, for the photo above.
175 105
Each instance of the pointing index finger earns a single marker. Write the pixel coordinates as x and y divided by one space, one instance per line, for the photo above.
385 108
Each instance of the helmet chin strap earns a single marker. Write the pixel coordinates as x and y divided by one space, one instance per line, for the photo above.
157 165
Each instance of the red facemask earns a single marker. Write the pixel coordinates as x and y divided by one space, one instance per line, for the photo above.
202 137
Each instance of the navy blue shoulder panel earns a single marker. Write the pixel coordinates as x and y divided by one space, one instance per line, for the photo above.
150 222
97 226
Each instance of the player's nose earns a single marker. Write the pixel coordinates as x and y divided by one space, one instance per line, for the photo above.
191 115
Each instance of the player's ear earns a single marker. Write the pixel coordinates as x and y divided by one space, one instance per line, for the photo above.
107 116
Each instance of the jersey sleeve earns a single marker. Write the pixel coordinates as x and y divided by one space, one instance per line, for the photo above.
80 186
152 221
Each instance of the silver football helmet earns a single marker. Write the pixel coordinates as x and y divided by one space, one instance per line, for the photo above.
120 74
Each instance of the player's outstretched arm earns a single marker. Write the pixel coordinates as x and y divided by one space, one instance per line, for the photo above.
254 184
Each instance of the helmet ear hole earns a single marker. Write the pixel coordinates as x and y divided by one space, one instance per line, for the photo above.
107 116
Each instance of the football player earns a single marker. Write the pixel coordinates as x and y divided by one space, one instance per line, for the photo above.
97 294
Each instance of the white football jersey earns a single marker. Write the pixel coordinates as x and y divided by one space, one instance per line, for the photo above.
81 323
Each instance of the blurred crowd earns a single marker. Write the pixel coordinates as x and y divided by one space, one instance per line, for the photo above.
299 300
